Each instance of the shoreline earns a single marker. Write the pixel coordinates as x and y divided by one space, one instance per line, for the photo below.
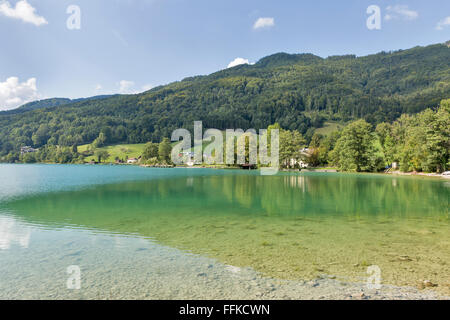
423 174
444 175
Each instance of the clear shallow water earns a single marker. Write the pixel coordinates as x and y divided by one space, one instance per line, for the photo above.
171 233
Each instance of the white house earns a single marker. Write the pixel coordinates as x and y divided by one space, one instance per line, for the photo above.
302 164
132 160
27 149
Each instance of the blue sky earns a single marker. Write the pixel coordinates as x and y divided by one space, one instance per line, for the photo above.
131 45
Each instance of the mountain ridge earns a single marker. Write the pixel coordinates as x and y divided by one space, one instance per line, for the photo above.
50 102
299 91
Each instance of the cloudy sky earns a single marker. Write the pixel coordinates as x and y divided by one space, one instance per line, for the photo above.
127 46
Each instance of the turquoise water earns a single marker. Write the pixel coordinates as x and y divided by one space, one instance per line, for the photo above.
182 233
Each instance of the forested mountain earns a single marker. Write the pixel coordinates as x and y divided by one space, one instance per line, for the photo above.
39 104
46 103
298 91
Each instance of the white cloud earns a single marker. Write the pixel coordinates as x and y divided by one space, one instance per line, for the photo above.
237 62
264 23
22 11
400 12
443 23
125 86
14 93
98 87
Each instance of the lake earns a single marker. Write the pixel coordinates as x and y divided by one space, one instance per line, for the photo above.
137 233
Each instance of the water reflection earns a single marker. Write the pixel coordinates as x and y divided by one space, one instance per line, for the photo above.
237 195
296 181
13 232
286 226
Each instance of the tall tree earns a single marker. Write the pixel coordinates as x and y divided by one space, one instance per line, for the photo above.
438 139
291 144
164 150
150 151
102 155
355 150
100 141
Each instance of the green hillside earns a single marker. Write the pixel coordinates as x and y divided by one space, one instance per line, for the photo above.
48 103
39 104
299 91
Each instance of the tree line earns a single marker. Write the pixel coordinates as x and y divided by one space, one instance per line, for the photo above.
419 142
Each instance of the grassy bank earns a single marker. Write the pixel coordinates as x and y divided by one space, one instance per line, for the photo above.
122 151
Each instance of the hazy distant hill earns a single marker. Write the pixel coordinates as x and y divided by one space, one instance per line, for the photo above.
46 103
300 91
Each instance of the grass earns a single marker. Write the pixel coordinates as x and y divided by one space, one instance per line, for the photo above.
118 150
329 127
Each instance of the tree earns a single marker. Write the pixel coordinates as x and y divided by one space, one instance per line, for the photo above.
327 145
438 139
384 134
355 150
291 144
164 150
316 139
315 150
107 134
383 130
29 158
313 157
151 150
412 152
102 155
41 136
12 157
100 141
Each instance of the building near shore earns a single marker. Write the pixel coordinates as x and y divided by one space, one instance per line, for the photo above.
27 149
132 160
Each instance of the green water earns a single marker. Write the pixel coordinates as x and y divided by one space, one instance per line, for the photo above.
133 223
